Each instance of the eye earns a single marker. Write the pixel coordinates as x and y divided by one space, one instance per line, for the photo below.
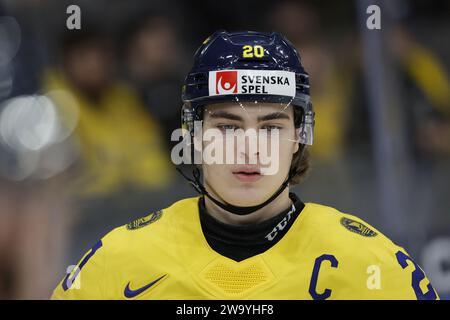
271 127
224 127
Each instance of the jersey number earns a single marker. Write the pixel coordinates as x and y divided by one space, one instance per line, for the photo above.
417 277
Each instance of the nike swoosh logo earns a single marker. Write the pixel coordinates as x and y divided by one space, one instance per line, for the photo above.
133 293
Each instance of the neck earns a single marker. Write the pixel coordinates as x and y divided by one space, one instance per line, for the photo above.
279 204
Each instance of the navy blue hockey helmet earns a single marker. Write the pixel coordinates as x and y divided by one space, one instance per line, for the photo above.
245 67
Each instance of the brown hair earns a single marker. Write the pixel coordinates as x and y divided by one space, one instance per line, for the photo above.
300 165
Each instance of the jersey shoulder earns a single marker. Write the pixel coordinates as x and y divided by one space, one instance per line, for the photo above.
128 250
156 228
365 254
345 231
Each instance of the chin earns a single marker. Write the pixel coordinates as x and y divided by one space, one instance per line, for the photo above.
246 197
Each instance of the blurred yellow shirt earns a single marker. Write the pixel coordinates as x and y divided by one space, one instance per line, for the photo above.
119 142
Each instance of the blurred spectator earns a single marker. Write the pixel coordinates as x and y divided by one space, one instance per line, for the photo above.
333 167
427 101
424 97
330 87
36 154
120 142
155 64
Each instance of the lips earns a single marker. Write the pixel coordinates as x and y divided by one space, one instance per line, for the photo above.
247 174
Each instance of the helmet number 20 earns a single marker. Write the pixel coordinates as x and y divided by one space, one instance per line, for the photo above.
252 51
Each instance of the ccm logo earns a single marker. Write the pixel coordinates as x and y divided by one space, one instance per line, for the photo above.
226 82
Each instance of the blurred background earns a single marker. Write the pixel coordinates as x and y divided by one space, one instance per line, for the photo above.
86 117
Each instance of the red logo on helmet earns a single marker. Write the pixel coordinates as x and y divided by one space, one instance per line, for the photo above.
226 82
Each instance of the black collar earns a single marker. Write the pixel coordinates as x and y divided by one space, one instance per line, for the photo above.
241 242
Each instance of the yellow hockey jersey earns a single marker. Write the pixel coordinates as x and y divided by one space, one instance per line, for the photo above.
325 254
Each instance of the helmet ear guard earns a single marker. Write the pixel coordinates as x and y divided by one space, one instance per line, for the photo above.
306 129
187 117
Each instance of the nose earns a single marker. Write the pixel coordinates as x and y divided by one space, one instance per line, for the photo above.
249 150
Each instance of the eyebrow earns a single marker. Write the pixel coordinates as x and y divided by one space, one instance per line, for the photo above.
274 116
231 116
225 115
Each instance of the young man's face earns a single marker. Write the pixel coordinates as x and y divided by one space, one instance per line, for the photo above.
260 164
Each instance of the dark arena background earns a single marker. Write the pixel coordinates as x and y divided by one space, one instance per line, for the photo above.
71 169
